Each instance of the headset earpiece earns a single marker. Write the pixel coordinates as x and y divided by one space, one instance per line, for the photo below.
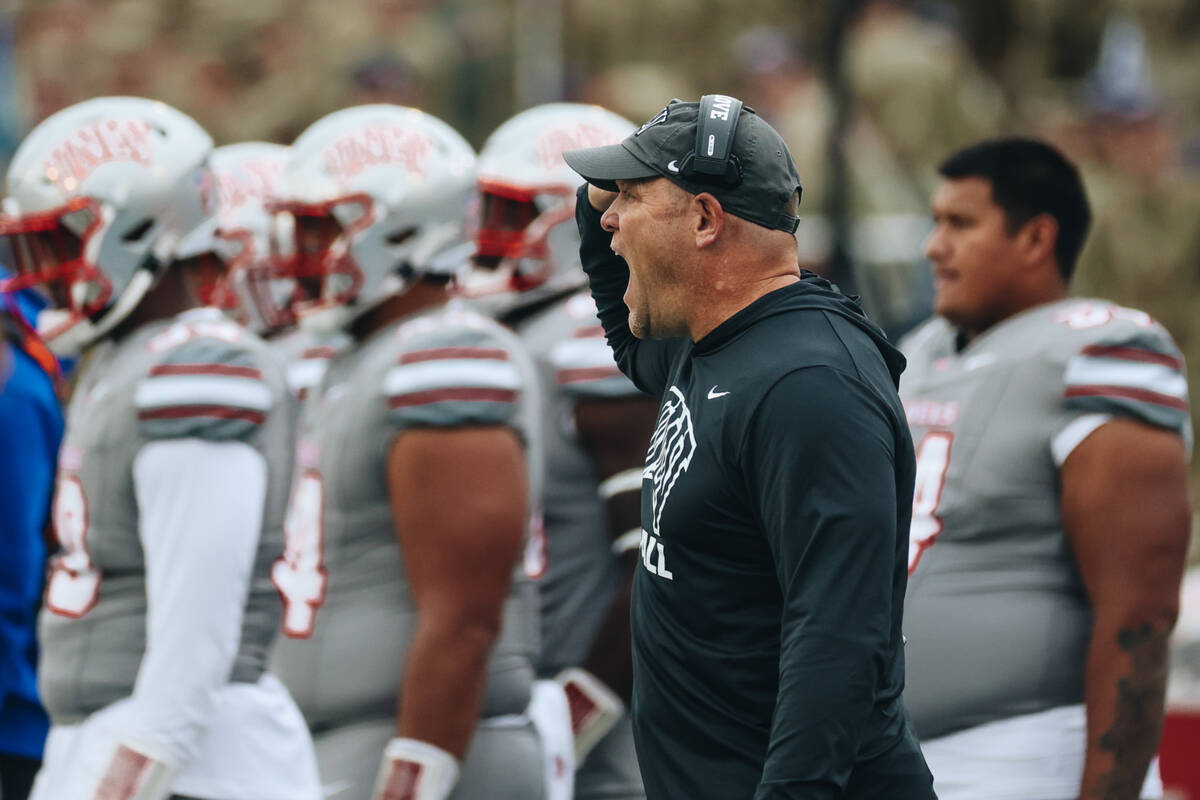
715 129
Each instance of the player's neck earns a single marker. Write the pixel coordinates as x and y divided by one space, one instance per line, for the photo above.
418 297
166 299
1039 296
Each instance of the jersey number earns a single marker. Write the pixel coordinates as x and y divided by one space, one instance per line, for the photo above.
933 459
74 582
536 558
300 574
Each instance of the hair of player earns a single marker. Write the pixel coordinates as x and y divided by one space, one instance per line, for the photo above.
1030 178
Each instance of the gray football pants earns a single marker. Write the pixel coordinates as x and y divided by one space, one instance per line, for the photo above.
611 769
503 762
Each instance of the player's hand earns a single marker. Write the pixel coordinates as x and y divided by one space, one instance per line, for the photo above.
134 775
599 199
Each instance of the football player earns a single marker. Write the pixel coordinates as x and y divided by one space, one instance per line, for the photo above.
159 610
243 235
1050 517
412 629
596 427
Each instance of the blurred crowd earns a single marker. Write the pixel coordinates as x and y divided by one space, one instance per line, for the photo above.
1111 82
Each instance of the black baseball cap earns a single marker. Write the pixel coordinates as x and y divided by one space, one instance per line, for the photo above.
737 157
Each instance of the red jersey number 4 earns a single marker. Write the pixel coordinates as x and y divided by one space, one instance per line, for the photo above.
300 574
933 461
74 582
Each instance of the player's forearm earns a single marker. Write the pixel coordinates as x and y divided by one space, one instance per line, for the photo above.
199 558
1125 686
444 682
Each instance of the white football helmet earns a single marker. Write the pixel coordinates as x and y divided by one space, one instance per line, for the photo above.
526 237
247 176
99 196
373 197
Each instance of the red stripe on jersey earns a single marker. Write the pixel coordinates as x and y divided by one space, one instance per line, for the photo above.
588 332
581 374
461 394
217 412
319 352
206 369
438 353
1133 354
1129 393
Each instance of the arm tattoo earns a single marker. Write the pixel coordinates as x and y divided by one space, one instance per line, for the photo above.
1133 737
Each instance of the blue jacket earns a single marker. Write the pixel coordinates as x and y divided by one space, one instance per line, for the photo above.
31 428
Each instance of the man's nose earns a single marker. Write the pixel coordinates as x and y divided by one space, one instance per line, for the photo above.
935 245
610 221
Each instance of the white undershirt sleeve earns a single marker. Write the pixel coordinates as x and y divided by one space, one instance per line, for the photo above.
1071 436
200 507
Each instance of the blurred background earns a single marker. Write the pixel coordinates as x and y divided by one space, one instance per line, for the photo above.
870 94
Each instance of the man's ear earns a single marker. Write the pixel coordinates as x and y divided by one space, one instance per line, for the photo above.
1037 238
709 219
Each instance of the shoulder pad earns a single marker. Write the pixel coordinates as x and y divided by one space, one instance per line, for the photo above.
1129 370
584 366
205 388
305 371
453 377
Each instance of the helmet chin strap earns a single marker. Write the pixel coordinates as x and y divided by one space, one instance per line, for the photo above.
84 332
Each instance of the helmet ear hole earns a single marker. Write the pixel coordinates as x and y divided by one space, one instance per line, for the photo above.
138 232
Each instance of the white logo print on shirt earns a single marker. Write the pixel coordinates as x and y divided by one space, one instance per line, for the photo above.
671 450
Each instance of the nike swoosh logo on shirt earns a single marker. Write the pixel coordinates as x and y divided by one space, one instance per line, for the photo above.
713 394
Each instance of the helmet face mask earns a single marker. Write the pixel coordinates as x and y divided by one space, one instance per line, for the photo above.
50 254
504 214
512 242
209 278
526 246
316 269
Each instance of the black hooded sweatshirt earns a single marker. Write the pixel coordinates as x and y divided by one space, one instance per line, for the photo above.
768 657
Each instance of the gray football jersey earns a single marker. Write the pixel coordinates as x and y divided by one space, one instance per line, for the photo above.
996 616
306 355
196 376
576 570
349 612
